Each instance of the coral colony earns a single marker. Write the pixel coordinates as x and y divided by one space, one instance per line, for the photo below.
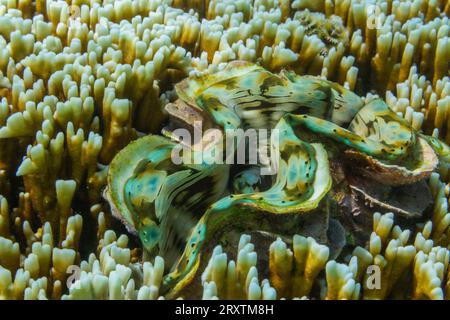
321 170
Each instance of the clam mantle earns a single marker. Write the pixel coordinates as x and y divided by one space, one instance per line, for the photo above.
338 156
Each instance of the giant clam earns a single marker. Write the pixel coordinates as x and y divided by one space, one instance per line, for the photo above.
338 156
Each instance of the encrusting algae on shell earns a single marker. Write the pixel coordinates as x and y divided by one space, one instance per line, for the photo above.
89 88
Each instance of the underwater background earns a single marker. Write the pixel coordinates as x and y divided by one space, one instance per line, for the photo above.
81 80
